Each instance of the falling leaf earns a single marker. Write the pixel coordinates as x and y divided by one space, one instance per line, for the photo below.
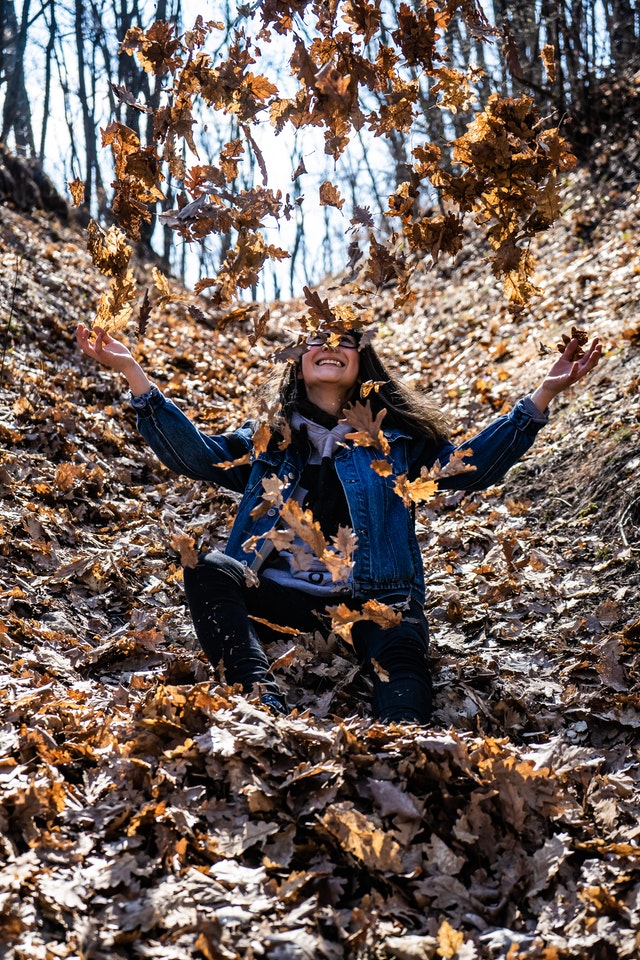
330 196
125 96
423 488
370 385
382 614
339 557
454 465
260 324
343 617
272 496
185 545
580 335
282 661
109 249
548 57
145 312
362 217
300 169
319 308
379 671
157 49
331 82
455 88
367 432
302 523
77 191
261 438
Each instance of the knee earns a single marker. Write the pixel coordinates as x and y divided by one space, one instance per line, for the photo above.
214 568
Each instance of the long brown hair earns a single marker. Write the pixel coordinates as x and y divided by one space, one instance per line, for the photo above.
406 408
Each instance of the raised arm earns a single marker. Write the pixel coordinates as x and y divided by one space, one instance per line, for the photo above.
500 445
566 371
175 440
113 353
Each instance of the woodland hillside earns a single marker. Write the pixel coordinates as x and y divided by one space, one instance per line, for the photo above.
149 811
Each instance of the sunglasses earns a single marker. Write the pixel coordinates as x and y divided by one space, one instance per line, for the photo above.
346 341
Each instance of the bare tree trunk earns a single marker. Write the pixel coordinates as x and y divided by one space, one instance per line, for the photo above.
623 34
4 38
88 122
53 29
16 114
154 94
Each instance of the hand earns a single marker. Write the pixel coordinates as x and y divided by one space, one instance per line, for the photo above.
105 349
566 371
112 353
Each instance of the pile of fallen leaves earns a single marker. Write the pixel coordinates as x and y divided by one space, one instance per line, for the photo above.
147 810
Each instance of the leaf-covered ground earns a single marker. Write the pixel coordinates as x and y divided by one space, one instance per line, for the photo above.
146 810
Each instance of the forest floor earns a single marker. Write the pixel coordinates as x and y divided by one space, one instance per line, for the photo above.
148 811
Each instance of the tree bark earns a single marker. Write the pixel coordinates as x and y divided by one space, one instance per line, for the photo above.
53 30
16 114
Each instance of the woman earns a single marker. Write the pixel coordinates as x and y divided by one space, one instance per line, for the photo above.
268 574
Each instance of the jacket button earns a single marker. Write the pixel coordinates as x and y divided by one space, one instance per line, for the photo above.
272 512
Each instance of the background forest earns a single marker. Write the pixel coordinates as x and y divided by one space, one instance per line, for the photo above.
63 77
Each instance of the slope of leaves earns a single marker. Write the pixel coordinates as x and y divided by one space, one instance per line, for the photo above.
147 810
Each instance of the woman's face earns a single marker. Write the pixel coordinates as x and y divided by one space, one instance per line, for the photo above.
324 366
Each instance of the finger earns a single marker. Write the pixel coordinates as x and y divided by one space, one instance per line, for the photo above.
574 373
587 365
593 361
82 337
593 354
106 337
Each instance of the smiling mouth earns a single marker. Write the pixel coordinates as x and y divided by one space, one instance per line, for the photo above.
334 363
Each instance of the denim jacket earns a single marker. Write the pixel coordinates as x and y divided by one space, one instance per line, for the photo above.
387 558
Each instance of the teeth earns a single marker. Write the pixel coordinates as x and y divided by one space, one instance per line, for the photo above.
335 363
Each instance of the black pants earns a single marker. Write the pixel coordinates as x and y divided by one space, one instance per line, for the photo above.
220 601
